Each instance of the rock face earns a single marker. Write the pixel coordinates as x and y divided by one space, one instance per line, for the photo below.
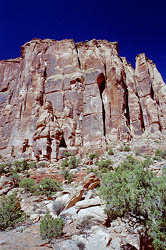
61 94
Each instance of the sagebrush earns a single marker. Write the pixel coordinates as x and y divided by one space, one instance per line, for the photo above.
135 190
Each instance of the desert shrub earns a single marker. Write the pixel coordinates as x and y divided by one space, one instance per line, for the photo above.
24 165
32 165
10 211
156 158
35 189
67 154
164 171
49 186
27 184
138 152
110 151
132 189
93 156
16 179
5 168
67 175
17 163
104 165
64 164
126 148
42 164
21 165
50 227
73 162
2 168
160 154
92 170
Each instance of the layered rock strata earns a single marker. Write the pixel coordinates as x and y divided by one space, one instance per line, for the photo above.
61 94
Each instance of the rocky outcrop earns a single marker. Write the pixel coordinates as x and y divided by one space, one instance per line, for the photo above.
61 94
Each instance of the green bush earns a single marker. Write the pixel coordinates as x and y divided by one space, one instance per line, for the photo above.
32 165
5 168
2 168
160 154
110 151
42 164
132 189
16 179
126 148
92 170
21 165
164 170
67 154
27 184
64 164
49 186
93 156
67 175
10 211
72 162
51 228
104 165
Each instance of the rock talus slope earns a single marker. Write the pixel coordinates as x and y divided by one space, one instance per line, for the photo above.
61 94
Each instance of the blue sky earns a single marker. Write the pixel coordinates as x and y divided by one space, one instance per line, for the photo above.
138 26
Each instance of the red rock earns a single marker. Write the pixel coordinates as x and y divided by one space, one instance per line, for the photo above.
61 94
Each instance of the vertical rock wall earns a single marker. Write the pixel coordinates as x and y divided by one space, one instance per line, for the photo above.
61 94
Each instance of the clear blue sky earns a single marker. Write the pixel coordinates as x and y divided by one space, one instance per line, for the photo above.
138 26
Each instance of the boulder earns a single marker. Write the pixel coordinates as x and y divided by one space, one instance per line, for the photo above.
91 216
75 197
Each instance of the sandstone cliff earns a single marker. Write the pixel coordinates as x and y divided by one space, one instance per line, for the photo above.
61 94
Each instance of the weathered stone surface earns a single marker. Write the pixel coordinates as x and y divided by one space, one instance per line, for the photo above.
88 203
61 94
91 181
75 197
91 216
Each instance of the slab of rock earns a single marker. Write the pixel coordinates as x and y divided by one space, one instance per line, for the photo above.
69 215
75 197
66 245
91 181
88 203
91 216
116 243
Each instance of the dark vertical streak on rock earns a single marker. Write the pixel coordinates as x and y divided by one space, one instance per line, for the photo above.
142 118
44 81
102 88
127 114
152 92
79 63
